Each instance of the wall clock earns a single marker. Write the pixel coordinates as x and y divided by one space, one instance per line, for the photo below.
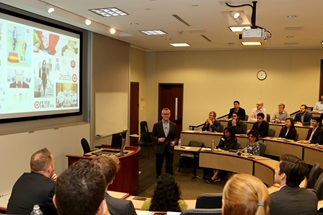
261 75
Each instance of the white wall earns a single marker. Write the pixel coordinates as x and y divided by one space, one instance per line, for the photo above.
16 150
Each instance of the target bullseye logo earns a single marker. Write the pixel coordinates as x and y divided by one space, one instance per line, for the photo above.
36 104
74 78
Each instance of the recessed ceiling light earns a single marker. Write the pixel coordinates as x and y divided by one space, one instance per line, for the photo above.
153 32
239 28
251 43
113 30
179 44
291 16
88 22
111 11
322 43
50 8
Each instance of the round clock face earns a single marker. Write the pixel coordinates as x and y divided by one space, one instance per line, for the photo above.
261 75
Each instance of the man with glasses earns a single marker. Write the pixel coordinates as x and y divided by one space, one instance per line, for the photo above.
164 135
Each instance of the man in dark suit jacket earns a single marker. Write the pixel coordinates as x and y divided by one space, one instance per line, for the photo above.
164 135
19 80
237 109
261 125
303 117
36 187
315 134
109 166
290 199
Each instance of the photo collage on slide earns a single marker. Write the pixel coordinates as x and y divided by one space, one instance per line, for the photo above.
39 69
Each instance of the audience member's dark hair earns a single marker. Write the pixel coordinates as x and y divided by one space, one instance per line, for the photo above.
262 115
317 119
238 115
109 166
166 194
294 168
231 131
236 101
291 122
254 133
305 106
40 160
80 189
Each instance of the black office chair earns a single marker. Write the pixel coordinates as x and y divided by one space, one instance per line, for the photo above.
209 200
296 137
318 187
189 156
145 137
268 117
85 146
246 118
312 177
217 211
263 147
244 130
271 132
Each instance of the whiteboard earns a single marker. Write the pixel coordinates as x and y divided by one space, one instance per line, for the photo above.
111 112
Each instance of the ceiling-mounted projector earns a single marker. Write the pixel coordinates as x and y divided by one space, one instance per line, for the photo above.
254 33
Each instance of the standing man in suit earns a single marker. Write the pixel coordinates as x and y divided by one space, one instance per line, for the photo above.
303 117
36 187
237 109
315 134
290 199
109 166
164 135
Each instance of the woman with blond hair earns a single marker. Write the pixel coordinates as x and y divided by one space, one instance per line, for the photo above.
245 194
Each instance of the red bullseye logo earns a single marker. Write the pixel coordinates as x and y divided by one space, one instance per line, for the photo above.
36 104
74 78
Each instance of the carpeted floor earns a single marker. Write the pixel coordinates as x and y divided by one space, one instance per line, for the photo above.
190 188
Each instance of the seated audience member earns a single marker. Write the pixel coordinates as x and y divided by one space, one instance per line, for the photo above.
109 166
290 199
236 123
303 117
36 187
318 107
253 146
258 109
315 134
166 197
261 125
227 141
288 131
281 115
211 123
80 190
237 109
245 194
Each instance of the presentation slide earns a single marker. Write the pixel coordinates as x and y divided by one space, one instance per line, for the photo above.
39 69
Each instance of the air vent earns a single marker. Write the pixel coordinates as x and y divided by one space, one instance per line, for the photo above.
293 28
291 44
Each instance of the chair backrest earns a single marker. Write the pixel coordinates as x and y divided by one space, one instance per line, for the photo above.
196 143
85 145
312 177
263 147
143 127
217 211
318 187
209 200
244 130
221 128
271 132
146 137
268 117
246 118
296 137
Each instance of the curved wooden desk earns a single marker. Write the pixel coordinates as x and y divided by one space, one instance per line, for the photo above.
127 178
261 167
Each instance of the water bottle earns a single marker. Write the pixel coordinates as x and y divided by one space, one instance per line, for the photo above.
179 143
212 146
36 210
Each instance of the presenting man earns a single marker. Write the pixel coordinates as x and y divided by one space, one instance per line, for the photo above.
109 166
291 199
164 135
36 187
